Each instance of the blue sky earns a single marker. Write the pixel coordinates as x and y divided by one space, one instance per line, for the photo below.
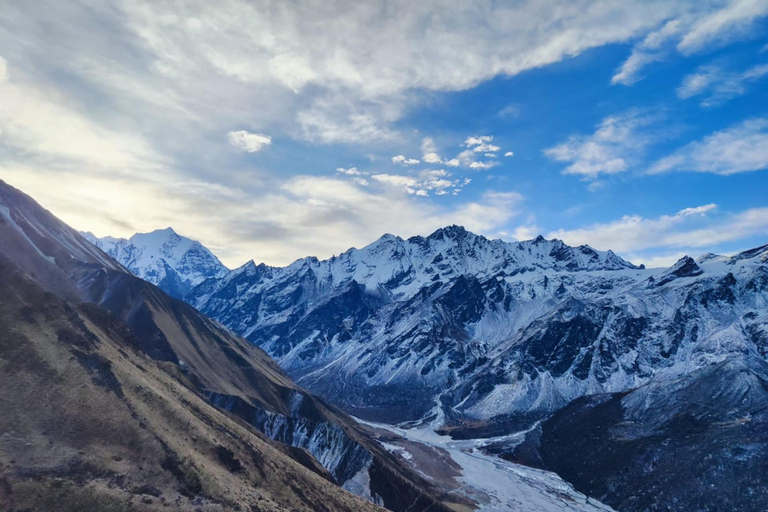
273 131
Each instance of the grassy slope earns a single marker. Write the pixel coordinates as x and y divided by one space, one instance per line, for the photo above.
90 423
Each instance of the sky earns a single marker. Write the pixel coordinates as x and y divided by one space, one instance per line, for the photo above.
277 130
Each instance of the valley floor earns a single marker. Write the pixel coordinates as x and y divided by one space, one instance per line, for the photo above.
495 484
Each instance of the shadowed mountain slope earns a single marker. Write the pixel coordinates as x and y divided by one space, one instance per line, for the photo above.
698 442
91 423
222 368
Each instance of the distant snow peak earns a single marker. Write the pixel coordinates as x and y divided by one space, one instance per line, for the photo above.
164 258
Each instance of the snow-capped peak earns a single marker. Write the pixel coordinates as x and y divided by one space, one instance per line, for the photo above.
163 257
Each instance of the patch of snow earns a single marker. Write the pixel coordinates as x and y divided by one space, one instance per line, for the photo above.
509 487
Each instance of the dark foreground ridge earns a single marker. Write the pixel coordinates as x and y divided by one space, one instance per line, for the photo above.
110 390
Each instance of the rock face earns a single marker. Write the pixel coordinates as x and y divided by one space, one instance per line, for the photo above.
467 328
696 442
91 423
120 328
173 263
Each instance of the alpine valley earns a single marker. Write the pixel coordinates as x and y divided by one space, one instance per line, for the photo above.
117 396
646 389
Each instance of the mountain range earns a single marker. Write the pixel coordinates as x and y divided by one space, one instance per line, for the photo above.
645 388
116 396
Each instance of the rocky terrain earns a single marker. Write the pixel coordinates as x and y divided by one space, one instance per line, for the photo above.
645 388
118 396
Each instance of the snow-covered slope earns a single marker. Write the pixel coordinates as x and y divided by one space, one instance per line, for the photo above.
496 484
492 329
470 328
693 443
174 263
485 338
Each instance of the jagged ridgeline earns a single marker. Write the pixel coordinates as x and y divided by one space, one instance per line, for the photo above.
490 337
116 396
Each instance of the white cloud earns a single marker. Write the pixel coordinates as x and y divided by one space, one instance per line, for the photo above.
726 24
350 171
618 141
740 148
646 52
698 82
398 180
478 140
341 119
509 153
718 85
424 182
403 160
3 70
354 217
483 216
468 158
697 210
667 259
152 85
39 126
249 142
428 145
304 215
629 72
701 27
525 232
486 148
688 228
482 165
318 71
477 146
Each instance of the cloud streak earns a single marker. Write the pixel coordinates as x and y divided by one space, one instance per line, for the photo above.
718 86
618 142
699 27
300 216
689 228
740 148
144 113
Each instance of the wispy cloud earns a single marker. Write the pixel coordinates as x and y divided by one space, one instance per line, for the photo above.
740 148
690 228
318 75
350 171
617 143
510 111
300 216
123 112
440 182
403 160
39 127
651 49
702 26
729 23
717 85
478 146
